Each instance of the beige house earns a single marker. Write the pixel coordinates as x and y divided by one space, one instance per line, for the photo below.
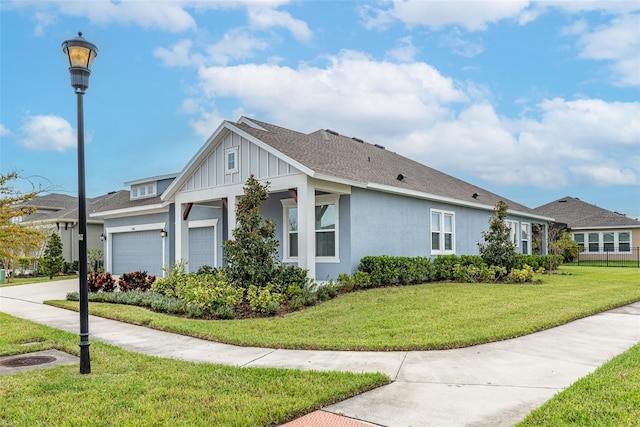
598 231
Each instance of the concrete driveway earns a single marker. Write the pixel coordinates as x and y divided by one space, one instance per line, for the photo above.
495 384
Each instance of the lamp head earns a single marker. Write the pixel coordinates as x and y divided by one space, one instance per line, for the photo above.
81 54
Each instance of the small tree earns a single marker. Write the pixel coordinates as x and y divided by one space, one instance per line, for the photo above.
565 246
252 255
53 261
95 259
498 248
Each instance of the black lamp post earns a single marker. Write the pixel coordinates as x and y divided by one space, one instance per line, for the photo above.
81 54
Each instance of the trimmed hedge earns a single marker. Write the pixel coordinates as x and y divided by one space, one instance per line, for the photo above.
389 270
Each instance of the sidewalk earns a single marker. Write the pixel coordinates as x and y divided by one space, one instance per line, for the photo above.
495 384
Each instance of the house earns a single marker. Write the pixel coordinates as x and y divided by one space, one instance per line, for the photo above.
59 213
595 229
334 199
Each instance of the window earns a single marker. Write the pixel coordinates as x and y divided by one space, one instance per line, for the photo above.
594 242
143 190
624 242
579 239
326 228
609 242
442 232
524 231
513 232
231 160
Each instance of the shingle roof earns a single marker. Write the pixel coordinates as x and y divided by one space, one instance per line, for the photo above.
329 153
578 214
65 207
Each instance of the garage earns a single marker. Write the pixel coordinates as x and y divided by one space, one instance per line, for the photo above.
202 242
137 251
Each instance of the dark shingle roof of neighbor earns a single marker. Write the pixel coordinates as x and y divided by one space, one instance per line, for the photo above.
329 153
578 214
66 207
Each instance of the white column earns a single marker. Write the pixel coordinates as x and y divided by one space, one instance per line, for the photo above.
307 228
231 215
181 240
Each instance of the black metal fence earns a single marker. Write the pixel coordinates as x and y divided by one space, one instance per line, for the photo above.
610 256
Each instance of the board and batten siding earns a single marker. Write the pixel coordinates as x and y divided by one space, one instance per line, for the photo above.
252 159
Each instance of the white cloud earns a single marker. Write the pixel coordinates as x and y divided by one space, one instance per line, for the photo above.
352 90
619 43
48 133
459 45
470 15
404 52
179 55
4 131
263 18
235 45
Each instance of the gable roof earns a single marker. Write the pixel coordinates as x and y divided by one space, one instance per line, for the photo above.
578 214
329 156
55 207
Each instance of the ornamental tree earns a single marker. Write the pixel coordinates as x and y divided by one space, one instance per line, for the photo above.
498 249
52 260
252 255
16 240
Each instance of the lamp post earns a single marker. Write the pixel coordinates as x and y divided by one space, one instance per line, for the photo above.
81 54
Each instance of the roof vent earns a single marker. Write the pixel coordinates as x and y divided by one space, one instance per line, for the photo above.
379 146
401 177
357 139
332 132
475 195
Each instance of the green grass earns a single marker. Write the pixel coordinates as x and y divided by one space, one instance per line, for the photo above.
129 389
421 317
27 280
610 396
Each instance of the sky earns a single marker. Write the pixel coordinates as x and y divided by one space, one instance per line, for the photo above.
530 100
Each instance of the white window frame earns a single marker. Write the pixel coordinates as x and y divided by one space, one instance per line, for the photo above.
442 232
527 226
513 234
149 189
581 244
236 161
601 242
324 199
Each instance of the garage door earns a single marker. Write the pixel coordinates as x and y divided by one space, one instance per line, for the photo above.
201 247
137 251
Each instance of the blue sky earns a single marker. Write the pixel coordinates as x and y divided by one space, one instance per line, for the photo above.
531 100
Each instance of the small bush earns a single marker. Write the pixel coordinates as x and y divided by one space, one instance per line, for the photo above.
264 300
523 275
205 269
209 291
388 270
443 267
135 281
101 282
167 285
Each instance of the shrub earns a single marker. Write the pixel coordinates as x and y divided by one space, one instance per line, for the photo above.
498 249
326 292
205 269
264 300
523 275
167 285
135 281
565 247
483 274
443 267
101 282
388 270
209 292
305 299
547 262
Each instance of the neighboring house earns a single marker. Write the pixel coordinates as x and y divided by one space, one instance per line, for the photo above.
595 229
59 213
334 199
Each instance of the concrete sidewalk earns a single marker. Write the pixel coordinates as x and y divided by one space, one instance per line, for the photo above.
495 384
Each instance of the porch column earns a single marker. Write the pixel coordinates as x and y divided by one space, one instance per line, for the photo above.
231 215
545 242
181 240
307 228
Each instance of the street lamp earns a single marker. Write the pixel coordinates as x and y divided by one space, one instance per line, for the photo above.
81 54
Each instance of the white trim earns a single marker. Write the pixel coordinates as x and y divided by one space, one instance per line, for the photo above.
151 179
611 227
324 199
601 242
235 150
528 239
514 227
442 250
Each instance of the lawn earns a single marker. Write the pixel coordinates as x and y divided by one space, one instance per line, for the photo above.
419 317
129 389
27 280
610 396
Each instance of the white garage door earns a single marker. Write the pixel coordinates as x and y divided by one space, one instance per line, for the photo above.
137 251
202 242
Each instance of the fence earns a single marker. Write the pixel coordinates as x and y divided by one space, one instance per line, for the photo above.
607 256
